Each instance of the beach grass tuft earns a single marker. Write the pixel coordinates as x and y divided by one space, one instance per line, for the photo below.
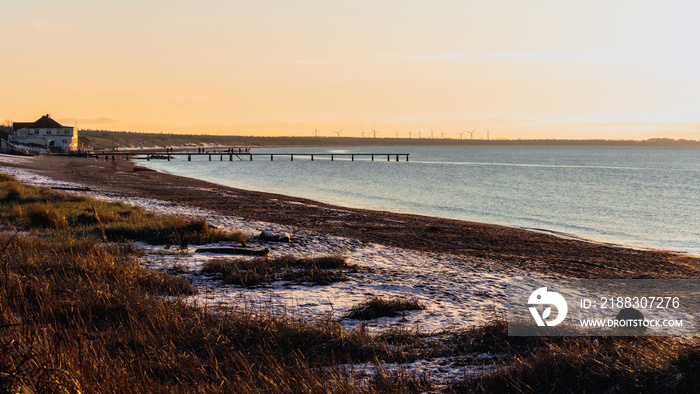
44 215
7 177
321 270
12 191
375 307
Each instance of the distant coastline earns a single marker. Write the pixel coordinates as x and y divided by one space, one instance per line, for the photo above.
109 139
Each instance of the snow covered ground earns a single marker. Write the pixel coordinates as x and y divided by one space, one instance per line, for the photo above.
458 291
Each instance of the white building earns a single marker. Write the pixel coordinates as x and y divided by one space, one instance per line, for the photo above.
46 133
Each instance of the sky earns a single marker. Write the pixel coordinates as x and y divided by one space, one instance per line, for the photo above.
613 69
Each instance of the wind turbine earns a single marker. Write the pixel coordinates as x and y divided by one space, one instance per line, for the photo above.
397 134
338 132
471 133
487 134
442 134
374 132
363 132
419 136
315 131
461 134
431 132
409 134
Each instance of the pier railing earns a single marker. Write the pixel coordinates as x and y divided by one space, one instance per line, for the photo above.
291 156
242 154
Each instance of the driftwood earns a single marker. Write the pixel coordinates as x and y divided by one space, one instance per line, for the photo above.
72 188
231 250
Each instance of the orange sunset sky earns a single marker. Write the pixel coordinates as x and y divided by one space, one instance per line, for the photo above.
523 69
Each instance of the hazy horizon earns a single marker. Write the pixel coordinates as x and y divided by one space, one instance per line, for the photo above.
593 70
369 137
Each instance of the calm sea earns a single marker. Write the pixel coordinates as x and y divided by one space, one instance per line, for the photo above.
641 197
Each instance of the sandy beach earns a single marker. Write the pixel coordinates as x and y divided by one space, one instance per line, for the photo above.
524 249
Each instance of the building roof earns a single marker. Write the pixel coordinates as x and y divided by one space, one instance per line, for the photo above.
20 125
45 122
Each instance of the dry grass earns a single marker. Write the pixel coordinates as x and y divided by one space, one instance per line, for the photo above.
581 364
77 316
44 208
80 316
375 307
262 271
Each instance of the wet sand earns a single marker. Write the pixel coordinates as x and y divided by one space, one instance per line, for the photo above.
525 249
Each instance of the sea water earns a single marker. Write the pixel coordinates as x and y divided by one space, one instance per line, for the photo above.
647 197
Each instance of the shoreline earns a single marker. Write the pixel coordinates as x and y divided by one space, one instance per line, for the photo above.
522 248
458 292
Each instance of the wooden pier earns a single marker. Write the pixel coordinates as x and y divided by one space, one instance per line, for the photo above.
291 156
243 154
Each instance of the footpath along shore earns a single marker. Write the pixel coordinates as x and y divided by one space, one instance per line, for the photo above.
521 249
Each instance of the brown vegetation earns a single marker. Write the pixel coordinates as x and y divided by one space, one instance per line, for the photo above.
80 316
375 307
44 208
583 364
322 270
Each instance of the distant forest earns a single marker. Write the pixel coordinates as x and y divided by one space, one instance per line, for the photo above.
124 139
